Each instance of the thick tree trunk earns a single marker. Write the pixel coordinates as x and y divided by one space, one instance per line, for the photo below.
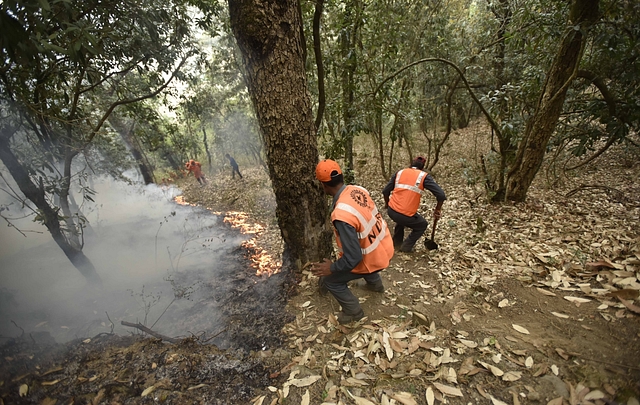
541 126
49 215
268 35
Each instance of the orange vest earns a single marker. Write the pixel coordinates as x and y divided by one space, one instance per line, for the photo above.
356 208
195 167
406 194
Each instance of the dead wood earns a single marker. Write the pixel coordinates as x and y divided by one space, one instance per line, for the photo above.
150 332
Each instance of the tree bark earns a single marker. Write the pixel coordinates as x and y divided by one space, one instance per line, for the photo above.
48 214
268 35
126 134
317 16
544 120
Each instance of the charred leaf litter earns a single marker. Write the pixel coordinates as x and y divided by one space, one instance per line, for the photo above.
227 320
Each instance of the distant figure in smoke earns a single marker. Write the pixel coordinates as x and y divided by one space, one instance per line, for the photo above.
196 168
234 166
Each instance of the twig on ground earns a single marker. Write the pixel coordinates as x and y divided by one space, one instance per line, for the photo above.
150 332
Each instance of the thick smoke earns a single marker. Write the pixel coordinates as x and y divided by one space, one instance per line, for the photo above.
151 253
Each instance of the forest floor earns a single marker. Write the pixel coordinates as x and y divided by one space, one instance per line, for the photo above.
528 303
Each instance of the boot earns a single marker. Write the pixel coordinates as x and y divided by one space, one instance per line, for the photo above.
344 318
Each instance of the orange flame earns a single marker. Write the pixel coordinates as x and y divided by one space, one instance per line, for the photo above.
262 261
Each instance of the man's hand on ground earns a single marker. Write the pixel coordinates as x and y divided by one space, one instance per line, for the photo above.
321 269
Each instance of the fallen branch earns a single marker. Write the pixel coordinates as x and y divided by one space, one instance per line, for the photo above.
150 332
615 193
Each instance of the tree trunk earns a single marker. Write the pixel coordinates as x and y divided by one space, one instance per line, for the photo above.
48 215
268 35
348 38
126 134
206 147
541 126
317 15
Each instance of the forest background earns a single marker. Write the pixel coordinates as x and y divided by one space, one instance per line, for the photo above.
94 88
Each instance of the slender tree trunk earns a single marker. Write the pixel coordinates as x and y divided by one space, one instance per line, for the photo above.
268 35
317 16
49 215
541 126
126 134
206 147
348 40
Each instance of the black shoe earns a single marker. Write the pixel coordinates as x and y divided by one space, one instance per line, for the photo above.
375 287
344 318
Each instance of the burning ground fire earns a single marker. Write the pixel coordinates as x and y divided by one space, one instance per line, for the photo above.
262 261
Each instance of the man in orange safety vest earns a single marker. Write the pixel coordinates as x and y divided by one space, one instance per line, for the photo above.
402 200
363 239
196 168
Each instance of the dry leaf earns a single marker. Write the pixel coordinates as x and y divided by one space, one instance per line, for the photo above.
496 401
554 369
448 390
512 376
429 396
556 401
305 398
577 299
148 391
545 292
303 382
404 398
559 315
630 306
195 387
47 383
520 329
596 394
360 400
494 370
529 362
469 343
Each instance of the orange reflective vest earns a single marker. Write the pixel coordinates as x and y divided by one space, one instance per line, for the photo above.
356 208
195 167
407 191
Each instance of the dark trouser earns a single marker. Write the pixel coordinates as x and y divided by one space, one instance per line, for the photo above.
416 223
234 171
336 284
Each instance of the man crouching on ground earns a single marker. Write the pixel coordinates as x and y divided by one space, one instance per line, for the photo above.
363 239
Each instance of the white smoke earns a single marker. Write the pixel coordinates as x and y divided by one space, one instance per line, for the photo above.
147 249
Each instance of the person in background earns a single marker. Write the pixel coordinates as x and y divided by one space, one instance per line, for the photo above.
402 200
196 168
234 166
363 239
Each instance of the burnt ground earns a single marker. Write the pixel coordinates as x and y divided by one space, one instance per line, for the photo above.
530 303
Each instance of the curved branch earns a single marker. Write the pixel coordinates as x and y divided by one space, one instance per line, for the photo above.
595 155
492 122
106 115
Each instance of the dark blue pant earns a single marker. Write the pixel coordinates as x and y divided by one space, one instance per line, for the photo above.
336 284
234 170
416 223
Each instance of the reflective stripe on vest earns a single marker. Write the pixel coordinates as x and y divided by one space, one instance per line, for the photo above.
368 226
406 194
356 208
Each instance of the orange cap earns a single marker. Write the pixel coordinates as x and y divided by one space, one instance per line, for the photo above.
327 169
